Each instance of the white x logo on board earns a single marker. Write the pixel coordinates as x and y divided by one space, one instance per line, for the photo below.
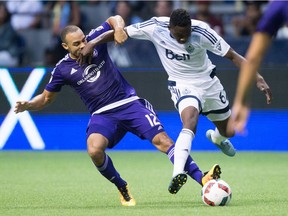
24 118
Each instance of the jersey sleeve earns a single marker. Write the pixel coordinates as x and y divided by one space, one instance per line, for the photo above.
273 18
98 31
143 30
56 81
211 41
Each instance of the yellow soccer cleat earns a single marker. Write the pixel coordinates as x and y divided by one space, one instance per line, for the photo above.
213 173
126 198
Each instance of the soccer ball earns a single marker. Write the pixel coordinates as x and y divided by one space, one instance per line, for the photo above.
216 193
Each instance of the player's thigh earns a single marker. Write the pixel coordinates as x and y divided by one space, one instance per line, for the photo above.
104 130
142 120
184 96
216 106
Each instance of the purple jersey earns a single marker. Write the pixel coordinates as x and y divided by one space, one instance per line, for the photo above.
99 83
275 16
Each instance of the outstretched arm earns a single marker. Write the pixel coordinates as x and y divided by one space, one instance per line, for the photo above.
36 103
248 74
261 84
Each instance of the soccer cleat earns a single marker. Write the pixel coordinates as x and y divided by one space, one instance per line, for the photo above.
213 173
225 146
126 198
177 182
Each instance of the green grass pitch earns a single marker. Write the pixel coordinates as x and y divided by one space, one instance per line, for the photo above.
66 183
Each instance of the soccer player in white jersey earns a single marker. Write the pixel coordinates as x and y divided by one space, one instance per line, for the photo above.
182 44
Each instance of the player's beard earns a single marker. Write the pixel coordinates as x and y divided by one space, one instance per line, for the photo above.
77 53
74 55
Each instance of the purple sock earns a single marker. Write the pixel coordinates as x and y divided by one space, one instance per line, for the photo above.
190 167
108 170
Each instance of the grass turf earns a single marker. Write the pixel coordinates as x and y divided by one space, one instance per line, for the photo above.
66 183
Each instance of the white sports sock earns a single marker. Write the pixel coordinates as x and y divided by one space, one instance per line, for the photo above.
217 137
182 150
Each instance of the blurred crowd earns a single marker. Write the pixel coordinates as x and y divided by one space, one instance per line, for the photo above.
18 19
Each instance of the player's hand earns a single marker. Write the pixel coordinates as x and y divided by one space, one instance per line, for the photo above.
86 54
21 106
120 36
263 86
239 117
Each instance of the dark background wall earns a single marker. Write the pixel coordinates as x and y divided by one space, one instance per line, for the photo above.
152 85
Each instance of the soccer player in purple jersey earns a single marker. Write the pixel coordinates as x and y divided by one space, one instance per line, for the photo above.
112 102
274 17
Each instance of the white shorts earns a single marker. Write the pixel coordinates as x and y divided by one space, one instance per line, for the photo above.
206 95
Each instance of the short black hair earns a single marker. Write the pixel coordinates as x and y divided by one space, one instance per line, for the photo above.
180 17
68 29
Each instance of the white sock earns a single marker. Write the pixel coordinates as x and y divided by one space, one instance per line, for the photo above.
182 150
217 137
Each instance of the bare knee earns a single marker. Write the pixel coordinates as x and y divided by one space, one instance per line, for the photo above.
94 152
162 142
96 145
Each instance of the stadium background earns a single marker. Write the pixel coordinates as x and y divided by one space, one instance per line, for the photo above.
62 125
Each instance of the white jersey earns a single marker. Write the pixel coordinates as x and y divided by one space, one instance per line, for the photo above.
181 61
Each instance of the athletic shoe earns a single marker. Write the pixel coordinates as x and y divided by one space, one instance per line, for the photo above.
177 182
126 198
225 146
213 173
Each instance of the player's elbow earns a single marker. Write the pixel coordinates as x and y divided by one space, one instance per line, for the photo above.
48 98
